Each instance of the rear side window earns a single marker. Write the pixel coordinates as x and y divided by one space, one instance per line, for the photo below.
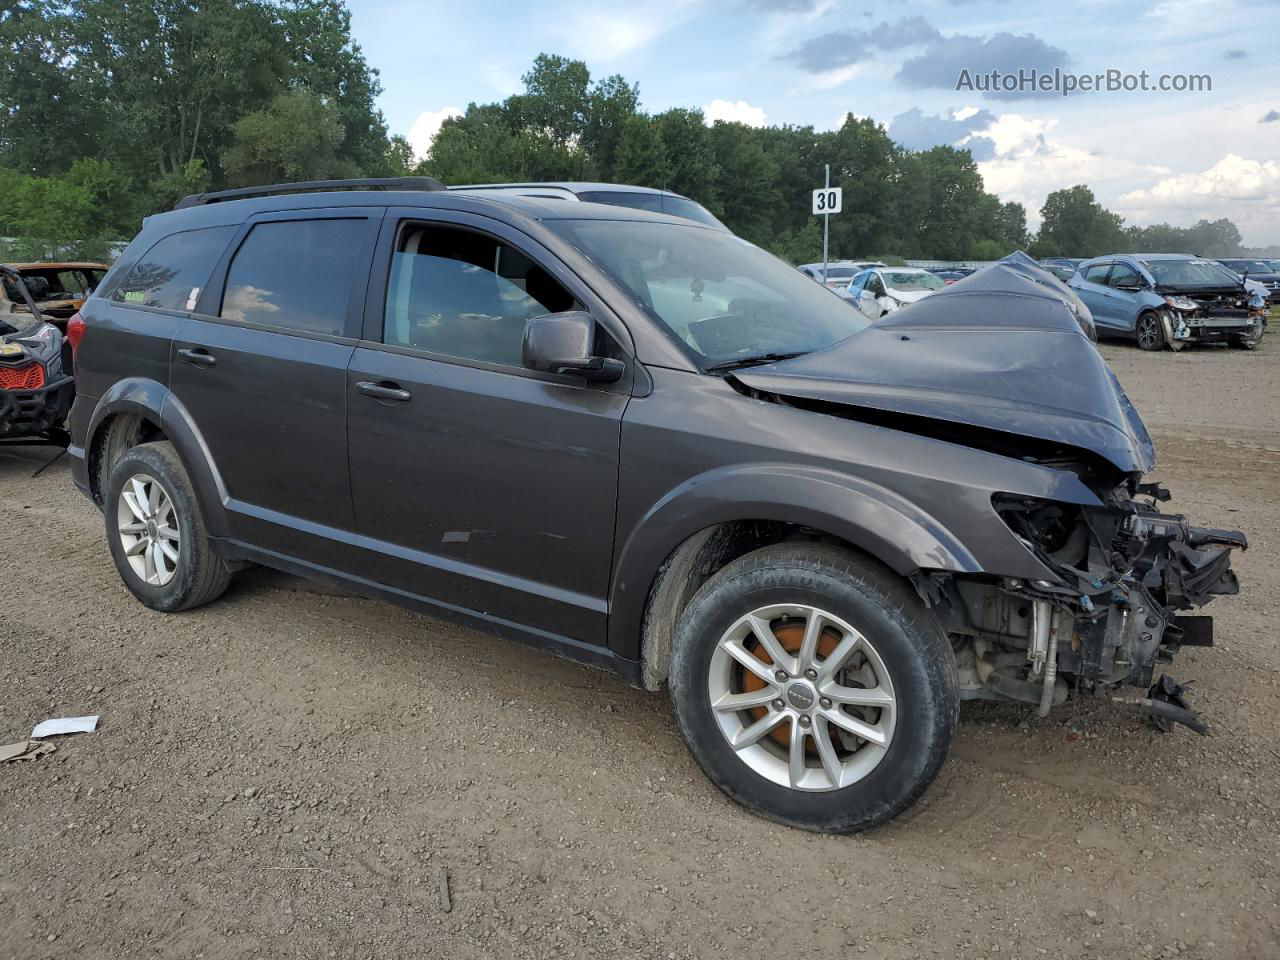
171 274
294 274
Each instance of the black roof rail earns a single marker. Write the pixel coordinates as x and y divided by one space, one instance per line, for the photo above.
377 183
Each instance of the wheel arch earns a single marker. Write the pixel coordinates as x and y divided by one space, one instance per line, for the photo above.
714 518
138 411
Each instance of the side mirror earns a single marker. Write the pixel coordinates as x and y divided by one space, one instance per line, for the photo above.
565 343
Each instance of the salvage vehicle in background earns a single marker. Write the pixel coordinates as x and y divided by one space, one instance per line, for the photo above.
35 372
1063 268
882 290
1169 300
59 288
828 531
1265 272
1019 275
838 273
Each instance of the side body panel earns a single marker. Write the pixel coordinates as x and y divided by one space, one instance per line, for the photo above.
695 453
489 486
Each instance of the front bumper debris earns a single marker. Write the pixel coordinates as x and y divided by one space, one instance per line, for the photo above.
1115 611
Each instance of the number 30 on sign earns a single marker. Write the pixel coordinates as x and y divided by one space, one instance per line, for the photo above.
827 200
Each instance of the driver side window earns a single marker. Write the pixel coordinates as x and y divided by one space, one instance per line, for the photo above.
1123 275
460 293
875 285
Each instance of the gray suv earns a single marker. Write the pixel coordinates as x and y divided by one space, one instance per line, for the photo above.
644 445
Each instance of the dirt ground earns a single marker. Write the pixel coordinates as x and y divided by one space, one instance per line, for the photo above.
290 773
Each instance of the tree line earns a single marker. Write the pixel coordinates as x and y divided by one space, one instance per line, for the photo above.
111 110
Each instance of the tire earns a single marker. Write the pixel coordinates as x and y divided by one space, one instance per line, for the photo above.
903 656
1149 332
1249 343
175 525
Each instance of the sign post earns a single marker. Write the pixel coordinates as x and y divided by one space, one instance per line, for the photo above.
827 201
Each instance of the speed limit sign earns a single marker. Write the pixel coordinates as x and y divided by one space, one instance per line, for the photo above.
827 200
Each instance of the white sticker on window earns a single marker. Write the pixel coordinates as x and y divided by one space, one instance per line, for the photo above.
191 300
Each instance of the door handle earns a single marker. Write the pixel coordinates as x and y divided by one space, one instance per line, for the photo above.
198 356
383 391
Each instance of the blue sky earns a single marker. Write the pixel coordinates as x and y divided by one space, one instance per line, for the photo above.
1152 156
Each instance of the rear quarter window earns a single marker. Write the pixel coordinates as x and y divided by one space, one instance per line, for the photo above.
171 274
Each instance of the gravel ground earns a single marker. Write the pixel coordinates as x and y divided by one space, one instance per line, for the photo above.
292 773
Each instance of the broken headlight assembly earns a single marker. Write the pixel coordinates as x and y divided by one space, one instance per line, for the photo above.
1122 572
1181 303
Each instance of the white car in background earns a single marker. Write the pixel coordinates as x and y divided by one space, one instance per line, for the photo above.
838 272
882 290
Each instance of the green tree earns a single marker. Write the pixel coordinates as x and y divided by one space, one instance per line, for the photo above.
295 138
398 160
866 164
642 156
747 184
316 37
690 155
1074 224
610 104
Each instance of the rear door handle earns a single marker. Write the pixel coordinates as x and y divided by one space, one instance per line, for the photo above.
383 391
198 356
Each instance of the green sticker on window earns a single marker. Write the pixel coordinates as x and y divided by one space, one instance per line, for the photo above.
135 296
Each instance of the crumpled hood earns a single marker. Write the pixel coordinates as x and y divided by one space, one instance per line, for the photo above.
1009 362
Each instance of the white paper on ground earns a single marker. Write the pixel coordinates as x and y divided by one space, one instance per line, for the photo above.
51 728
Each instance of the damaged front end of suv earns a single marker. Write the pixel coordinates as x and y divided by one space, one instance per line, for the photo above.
1124 574
1104 598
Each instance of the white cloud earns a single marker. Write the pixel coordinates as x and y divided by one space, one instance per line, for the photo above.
425 128
734 111
1243 190
604 34
1030 162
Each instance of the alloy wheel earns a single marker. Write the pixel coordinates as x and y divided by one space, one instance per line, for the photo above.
1148 331
149 530
802 697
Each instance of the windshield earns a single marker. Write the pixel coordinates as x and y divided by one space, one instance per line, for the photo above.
720 296
1252 266
1190 273
839 273
911 281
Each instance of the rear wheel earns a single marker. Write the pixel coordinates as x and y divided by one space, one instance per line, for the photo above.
1150 331
156 532
813 687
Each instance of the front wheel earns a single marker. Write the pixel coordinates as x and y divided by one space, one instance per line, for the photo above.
1150 331
814 688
